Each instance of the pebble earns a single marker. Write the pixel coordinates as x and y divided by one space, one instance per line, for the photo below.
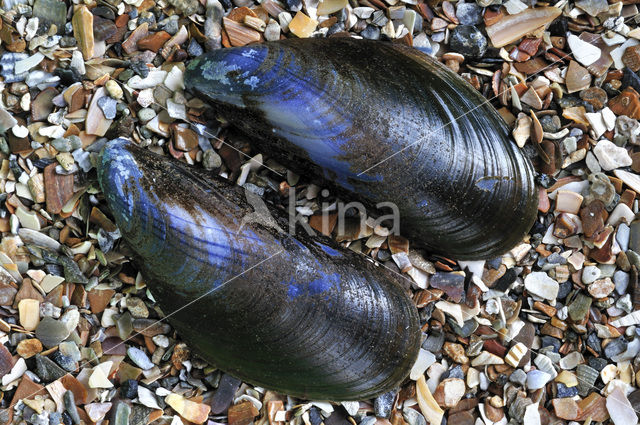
541 285
468 40
139 357
611 156
51 332
468 13
108 106
537 379
383 404
583 52
47 370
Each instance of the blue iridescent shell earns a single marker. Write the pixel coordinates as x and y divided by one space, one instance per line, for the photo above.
385 123
293 314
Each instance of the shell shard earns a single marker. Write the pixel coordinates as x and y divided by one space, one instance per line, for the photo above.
293 314
386 123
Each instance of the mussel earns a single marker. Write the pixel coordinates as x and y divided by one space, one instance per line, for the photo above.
289 313
386 123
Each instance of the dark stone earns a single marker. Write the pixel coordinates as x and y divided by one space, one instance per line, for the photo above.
465 331
47 370
550 123
451 283
66 419
337 417
454 372
103 28
630 78
564 289
549 341
67 76
383 404
70 407
68 41
223 396
65 362
615 347
129 389
563 391
371 32
434 342
594 342
597 363
559 27
140 68
104 12
315 417
494 263
634 399
469 13
468 40
506 280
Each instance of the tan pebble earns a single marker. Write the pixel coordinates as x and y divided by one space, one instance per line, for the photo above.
302 26
515 354
29 313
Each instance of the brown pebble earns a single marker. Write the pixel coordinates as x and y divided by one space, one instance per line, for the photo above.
58 189
154 41
29 347
631 58
626 103
242 413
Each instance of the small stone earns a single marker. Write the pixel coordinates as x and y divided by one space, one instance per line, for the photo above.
137 307
449 392
578 78
619 408
29 313
469 13
114 89
455 352
584 52
184 139
423 361
139 357
83 31
198 412
590 274
568 201
70 407
51 332
515 354
302 26
486 358
154 41
108 106
384 403
611 156
541 285
28 348
99 376
537 379
47 370
468 40
129 389
146 114
97 411
451 283
626 103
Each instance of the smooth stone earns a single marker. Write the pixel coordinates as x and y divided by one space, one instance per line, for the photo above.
51 332
70 407
620 409
623 235
590 274
519 377
413 417
140 358
621 280
611 156
384 403
537 379
108 106
541 285
469 13
47 370
129 389
468 40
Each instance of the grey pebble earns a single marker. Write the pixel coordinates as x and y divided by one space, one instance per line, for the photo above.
108 106
139 358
